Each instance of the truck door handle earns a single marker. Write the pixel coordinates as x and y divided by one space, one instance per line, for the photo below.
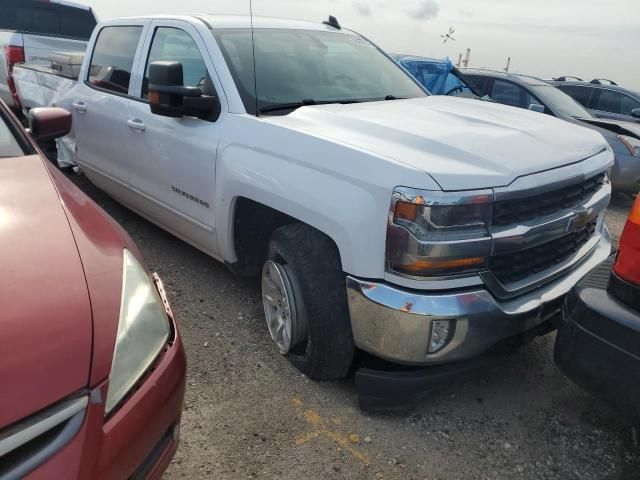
80 107
137 124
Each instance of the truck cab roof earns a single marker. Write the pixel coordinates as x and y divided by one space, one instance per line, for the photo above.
239 21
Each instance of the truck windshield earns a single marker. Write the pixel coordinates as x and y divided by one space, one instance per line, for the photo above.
306 67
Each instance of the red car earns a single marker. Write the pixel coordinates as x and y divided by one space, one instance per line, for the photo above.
92 369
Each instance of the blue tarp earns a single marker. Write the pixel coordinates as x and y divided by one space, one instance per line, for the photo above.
434 74
431 74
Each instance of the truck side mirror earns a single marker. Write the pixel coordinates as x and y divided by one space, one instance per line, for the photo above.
536 107
170 98
635 113
49 123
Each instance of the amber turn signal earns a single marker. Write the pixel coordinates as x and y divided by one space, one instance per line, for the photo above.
409 211
154 97
438 266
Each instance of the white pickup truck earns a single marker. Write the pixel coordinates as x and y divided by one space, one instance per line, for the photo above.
421 229
31 30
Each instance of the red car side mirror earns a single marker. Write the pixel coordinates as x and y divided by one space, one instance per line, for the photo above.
49 123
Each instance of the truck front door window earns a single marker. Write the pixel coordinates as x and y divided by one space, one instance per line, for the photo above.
175 45
113 58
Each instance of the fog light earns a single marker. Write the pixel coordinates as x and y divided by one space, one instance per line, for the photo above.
441 333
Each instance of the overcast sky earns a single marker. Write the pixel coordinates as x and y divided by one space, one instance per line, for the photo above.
546 38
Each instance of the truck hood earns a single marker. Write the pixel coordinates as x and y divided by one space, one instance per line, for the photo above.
46 314
463 144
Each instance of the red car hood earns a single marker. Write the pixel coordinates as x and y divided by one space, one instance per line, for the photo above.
46 324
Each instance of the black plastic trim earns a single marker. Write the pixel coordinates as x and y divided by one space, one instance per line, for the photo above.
598 347
626 292
387 388
145 468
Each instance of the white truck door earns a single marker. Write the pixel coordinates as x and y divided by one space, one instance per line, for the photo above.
173 159
99 105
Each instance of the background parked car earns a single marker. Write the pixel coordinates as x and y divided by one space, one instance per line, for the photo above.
31 30
598 344
93 369
605 100
439 76
535 94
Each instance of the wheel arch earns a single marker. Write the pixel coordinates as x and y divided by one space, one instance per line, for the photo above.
251 223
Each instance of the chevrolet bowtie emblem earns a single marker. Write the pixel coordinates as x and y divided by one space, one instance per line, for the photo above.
580 219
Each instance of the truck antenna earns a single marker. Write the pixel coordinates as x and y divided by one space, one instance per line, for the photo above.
253 47
332 22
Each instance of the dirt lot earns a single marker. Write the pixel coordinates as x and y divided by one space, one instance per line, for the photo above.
249 414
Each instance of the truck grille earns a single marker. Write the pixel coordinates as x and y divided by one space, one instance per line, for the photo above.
514 267
509 212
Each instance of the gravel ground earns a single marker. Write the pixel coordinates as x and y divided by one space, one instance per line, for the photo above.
249 414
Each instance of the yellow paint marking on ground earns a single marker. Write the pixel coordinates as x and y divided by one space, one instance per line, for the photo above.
346 444
307 437
313 418
320 429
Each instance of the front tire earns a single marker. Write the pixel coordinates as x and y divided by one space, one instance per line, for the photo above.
305 302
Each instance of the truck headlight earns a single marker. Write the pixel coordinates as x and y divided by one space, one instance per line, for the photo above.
633 144
143 331
438 233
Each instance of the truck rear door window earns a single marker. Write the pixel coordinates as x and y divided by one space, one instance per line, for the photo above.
113 57
47 19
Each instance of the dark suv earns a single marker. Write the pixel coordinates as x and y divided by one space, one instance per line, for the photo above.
604 100
537 95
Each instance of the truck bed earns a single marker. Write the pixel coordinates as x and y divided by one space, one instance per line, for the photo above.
41 86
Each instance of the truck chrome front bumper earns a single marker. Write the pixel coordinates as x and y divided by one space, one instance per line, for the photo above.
395 324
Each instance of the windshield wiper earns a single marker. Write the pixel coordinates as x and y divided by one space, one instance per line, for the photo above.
393 97
303 103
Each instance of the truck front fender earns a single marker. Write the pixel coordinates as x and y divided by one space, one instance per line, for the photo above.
341 191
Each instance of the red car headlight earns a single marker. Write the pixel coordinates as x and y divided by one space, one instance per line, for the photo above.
143 331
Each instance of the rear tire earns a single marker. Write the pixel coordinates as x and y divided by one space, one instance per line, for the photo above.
305 266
